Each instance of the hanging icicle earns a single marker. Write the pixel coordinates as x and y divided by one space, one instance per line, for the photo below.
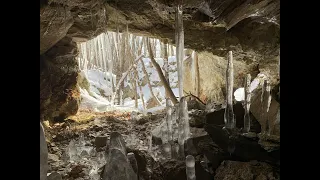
247 103
229 117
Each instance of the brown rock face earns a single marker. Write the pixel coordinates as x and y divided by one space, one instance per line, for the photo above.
274 121
58 78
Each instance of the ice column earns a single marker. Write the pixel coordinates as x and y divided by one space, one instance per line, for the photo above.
169 119
133 162
268 95
247 103
184 129
167 150
229 117
190 168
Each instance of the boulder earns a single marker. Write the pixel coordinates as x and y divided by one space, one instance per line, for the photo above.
217 118
254 170
273 114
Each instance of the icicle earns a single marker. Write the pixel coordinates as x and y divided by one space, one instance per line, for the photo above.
104 52
190 168
229 118
72 151
179 47
175 151
100 51
164 133
184 129
263 89
268 96
96 49
150 143
169 119
133 161
247 103
167 150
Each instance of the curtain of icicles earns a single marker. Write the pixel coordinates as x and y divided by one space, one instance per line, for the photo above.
108 52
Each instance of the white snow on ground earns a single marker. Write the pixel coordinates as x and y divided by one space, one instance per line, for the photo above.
100 83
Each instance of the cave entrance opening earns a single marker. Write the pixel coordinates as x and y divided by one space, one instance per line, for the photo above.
116 73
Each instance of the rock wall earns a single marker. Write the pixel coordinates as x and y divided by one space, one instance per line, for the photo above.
213 76
59 96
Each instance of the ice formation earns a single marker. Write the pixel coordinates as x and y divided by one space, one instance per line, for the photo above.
190 168
247 102
229 117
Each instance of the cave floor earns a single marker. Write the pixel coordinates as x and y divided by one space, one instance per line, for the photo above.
85 127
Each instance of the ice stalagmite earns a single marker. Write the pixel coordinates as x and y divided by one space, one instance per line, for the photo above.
133 161
190 168
169 119
229 117
150 143
164 133
118 166
268 97
175 151
72 151
117 142
167 150
175 120
43 155
247 102
184 129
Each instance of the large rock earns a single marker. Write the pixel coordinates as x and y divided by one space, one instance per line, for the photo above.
273 114
59 95
197 118
204 145
55 22
217 118
254 170
244 148
118 166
